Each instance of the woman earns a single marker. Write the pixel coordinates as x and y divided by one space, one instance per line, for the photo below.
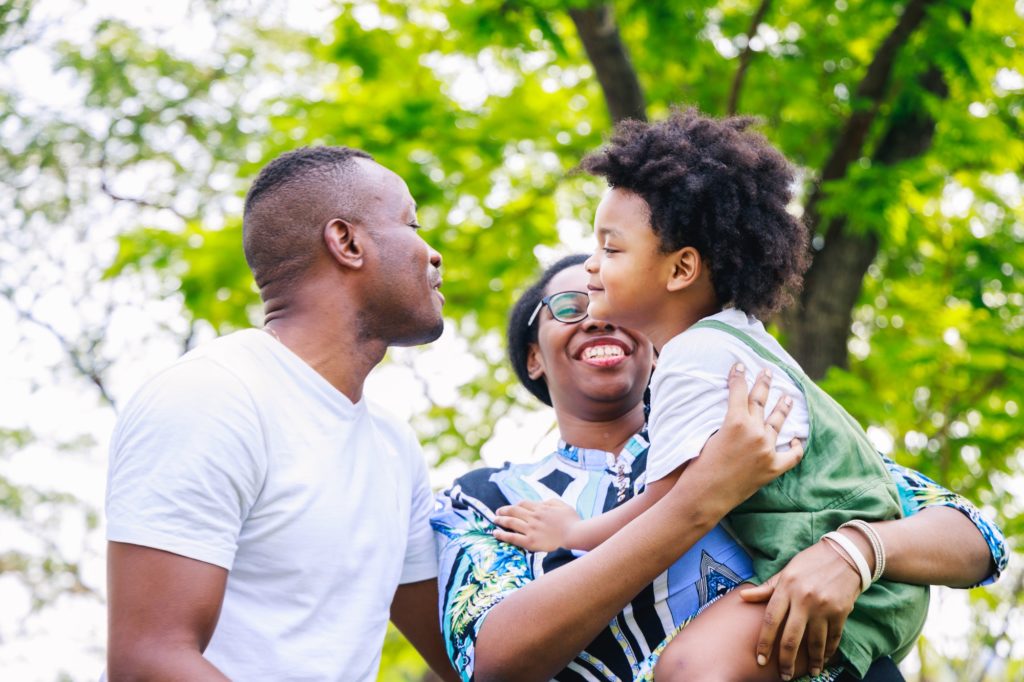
508 613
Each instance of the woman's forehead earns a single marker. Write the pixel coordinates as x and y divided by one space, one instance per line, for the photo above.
573 278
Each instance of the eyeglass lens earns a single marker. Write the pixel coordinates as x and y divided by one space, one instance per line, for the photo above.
569 306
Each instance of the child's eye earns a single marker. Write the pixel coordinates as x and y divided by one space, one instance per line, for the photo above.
609 251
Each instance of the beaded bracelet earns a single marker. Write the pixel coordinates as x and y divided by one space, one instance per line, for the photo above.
873 538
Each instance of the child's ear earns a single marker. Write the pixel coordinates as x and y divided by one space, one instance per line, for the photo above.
687 266
534 362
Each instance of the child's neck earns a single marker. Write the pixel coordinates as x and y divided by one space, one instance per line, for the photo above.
676 319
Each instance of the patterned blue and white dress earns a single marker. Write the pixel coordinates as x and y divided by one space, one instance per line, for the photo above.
476 571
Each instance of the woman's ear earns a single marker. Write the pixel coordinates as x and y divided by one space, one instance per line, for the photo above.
534 362
344 243
687 266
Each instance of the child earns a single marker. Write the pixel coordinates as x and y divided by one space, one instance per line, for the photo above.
694 241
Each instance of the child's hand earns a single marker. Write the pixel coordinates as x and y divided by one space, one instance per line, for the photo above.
537 526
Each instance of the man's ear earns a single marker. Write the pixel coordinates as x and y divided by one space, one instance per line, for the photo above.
344 243
534 362
687 267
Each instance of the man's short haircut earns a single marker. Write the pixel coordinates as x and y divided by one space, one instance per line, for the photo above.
713 185
289 203
521 335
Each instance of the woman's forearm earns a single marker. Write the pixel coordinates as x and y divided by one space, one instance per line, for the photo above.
589 592
936 546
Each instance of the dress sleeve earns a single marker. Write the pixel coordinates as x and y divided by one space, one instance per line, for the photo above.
475 572
918 492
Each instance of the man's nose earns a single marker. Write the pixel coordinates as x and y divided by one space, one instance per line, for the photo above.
435 257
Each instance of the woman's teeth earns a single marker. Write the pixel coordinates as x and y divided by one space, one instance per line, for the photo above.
610 351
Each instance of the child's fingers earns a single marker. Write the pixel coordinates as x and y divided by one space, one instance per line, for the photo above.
516 539
511 523
759 593
759 394
738 389
779 414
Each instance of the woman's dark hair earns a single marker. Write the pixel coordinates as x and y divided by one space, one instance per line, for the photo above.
521 335
715 186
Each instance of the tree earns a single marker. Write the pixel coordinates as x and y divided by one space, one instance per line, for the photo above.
905 121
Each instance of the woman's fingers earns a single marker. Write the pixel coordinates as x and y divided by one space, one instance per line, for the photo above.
779 414
789 458
738 389
817 637
759 593
774 616
792 637
835 633
759 394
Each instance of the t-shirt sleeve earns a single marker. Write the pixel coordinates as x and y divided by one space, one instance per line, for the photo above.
918 492
187 462
475 572
686 410
420 553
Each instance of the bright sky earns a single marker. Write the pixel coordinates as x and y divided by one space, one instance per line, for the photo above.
68 637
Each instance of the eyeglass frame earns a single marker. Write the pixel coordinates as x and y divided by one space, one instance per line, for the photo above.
546 301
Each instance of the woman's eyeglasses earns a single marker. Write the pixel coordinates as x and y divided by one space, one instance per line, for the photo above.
565 306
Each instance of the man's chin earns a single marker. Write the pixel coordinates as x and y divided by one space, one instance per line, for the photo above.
427 334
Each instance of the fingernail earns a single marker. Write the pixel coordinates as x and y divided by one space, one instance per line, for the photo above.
761 659
787 676
815 672
768 372
788 401
740 369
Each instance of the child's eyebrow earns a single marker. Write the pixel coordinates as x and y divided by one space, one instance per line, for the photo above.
606 232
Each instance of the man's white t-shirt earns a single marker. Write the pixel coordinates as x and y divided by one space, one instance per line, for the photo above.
690 390
242 456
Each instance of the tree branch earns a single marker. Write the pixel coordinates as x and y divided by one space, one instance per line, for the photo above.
745 56
601 40
106 189
869 96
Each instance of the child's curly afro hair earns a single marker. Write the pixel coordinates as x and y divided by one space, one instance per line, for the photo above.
715 186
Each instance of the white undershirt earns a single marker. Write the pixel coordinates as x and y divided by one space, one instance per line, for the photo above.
690 391
242 456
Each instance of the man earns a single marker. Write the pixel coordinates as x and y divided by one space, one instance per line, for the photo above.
261 514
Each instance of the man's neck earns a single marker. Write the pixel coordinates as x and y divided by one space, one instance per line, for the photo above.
329 345
609 433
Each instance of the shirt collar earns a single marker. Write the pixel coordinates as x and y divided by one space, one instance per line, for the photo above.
591 458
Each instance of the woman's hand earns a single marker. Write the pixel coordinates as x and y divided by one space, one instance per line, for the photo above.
537 526
741 457
812 595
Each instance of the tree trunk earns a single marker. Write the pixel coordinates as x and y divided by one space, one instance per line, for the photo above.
819 327
619 83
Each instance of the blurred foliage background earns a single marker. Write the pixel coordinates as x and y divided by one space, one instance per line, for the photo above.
128 142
